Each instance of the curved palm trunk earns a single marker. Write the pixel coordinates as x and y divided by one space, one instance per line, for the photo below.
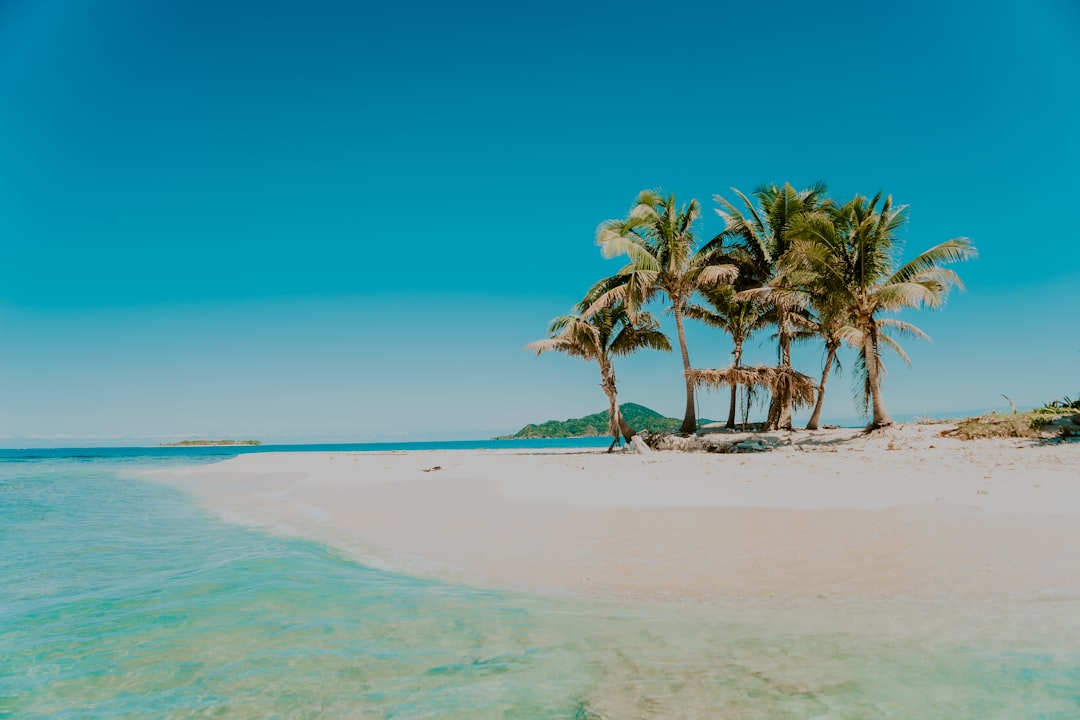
619 428
873 372
736 362
617 425
689 423
815 419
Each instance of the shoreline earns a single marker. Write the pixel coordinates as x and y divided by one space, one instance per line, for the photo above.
898 514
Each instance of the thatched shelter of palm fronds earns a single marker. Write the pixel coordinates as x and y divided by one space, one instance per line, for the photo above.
749 377
802 388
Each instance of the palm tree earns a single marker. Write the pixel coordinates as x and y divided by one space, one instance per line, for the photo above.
598 336
852 250
829 318
738 317
658 238
759 235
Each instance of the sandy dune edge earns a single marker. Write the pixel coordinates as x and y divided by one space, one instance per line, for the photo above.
900 514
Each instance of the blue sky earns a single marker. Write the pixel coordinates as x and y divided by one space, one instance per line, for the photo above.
343 221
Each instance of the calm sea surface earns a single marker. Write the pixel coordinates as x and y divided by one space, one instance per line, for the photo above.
123 599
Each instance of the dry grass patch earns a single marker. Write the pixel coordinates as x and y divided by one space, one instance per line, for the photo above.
995 426
1040 423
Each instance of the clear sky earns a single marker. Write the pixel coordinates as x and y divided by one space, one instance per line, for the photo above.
344 220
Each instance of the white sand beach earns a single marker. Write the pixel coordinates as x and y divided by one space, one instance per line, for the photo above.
902 513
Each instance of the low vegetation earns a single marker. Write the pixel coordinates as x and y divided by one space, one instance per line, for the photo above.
1055 419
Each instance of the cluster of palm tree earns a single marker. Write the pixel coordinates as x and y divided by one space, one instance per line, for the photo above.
792 260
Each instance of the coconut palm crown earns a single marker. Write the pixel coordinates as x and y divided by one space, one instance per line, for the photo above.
852 250
599 335
658 238
758 234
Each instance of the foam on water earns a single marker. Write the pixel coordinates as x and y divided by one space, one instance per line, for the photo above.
123 599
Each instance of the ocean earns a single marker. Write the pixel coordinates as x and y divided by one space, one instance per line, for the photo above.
121 598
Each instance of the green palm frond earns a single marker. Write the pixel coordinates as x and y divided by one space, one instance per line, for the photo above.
646 334
631 286
860 387
641 286
545 345
903 328
950 251
646 203
575 336
757 294
766 229
739 318
610 329
603 294
658 239
619 238
851 335
890 342
750 232
718 274
557 325
697 312
567 345
907 295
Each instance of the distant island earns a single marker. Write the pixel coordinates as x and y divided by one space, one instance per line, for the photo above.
638 416
191 443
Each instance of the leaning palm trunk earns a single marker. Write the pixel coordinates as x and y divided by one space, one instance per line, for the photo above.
830 358
617 425
735 363
881 416
689 423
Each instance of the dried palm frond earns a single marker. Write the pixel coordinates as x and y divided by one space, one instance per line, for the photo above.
787 382
800 388
746 376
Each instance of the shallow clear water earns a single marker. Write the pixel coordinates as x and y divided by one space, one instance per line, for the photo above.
123 599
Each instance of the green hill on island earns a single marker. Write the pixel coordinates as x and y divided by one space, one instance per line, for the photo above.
638 416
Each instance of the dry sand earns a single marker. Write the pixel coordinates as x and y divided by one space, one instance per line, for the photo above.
902 513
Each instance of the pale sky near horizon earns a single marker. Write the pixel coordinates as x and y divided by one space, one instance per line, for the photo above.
330 221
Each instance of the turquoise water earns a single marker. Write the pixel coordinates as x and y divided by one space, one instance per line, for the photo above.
123 599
